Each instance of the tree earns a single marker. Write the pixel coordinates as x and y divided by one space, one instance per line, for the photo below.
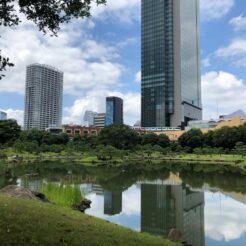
157 148
226 137
240 149
148 149
150 138
48 15
19 146
56 148
175 146
32 135
43 137
163 141
106 152
119 136
31 147
9 131
242 133
208 139
192 139
4 62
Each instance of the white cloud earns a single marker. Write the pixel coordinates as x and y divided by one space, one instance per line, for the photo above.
206 62
138 77
235 52
95 100
131 204
214 9
224 90
129 11
122 10
17 115
224 223
236 47
238 23
91 68
84 64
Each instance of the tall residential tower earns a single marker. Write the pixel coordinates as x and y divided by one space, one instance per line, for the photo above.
43 99
171 83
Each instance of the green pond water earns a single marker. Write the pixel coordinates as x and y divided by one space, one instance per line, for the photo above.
206 203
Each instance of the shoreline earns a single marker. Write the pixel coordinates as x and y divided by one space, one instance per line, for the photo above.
237 160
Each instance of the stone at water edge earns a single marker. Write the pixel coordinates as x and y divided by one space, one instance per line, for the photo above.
85 204
20 192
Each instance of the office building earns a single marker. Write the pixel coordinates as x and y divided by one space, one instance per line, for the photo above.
170 82
43 98
89 118
114 110
99 120
3 115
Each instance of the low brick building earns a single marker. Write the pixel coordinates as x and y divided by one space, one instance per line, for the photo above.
72 130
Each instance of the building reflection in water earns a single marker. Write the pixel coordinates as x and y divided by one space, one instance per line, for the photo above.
164 207
31 183
112 202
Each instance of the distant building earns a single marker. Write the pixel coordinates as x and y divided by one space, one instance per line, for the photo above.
137 124
55 130
73 130
3 115
99 120
43 98
98 189
114 111
89 118
201 124
239 113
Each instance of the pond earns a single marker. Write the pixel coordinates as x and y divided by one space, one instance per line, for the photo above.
206 203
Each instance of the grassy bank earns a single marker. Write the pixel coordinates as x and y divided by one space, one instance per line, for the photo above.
25 222
90 158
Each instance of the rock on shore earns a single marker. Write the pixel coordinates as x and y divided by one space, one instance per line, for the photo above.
20 192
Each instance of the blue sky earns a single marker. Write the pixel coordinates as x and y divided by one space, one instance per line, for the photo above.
100 56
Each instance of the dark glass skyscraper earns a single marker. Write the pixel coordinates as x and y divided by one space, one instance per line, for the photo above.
171 84
114 111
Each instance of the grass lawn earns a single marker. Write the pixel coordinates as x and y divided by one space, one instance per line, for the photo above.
26 222
90 158
213 157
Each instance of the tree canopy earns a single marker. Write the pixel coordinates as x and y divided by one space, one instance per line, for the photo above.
9 131
119 136
192 139
48 15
